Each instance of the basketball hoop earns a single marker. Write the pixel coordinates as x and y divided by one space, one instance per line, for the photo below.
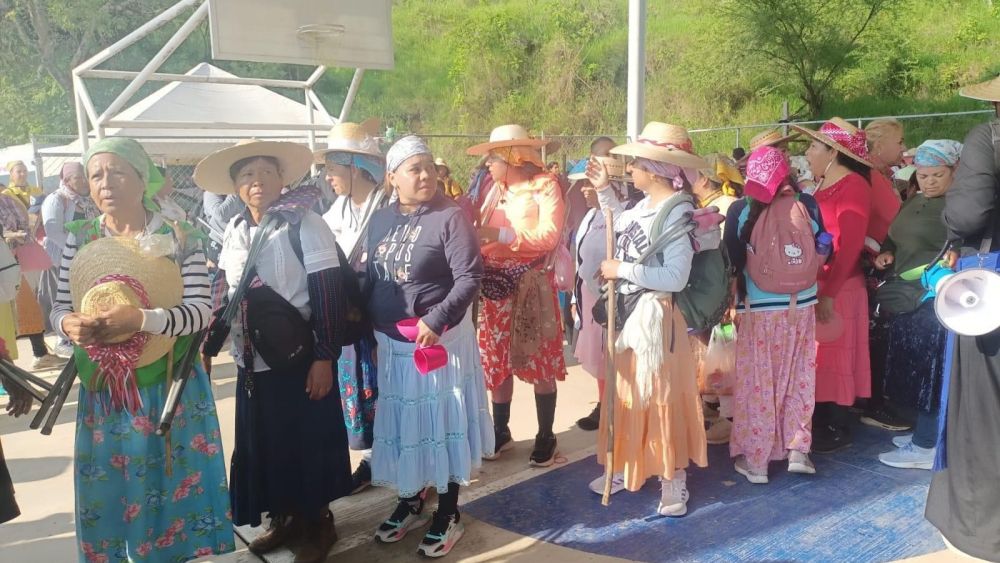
318 32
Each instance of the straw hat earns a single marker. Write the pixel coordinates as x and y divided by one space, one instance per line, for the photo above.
770 138
212 173
441 162
988 91
511 136
355 138
159 277
663 142
842 137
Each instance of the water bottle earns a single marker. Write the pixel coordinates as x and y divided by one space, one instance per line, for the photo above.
824 244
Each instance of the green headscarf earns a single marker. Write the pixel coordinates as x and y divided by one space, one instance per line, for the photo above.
134 154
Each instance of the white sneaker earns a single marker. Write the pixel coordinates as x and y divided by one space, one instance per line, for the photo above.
673 495
64 349
444 534
719 431
406 517
47 362
909 456
743 468
617 484
799 462
902 441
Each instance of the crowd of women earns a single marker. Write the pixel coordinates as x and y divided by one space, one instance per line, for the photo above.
388 319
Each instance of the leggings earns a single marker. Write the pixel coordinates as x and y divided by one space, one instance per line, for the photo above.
504 393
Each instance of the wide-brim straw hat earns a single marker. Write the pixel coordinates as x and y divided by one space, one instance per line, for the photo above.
663 142
511 136
212 173
770 138
354 138
842 137
988 91
159 277
441 162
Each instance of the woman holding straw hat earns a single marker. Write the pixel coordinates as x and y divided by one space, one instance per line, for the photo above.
432 427
133 290
843 373
520 334
658 420
355 170
291 458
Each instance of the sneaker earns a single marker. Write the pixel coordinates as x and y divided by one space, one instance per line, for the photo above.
406 517
592 421
445 532
544 453
361 479
718 432
47 362
504 442
743 468
828 439
64 349
617 484
909 456
799 462
673 495
902 441
883 417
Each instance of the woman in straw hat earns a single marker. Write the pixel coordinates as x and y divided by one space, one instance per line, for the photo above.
658 420
776 349
355 170
522 222
963 496
843 373
132 292
915 336
432 427
290 459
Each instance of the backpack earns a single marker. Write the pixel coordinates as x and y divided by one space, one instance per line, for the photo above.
781 257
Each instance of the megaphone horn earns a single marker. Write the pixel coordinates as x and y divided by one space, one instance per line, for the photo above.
968 303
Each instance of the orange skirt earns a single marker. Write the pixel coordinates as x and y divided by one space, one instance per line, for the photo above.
29 312
667 434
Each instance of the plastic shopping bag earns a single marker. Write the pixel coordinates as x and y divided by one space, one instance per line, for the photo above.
720 360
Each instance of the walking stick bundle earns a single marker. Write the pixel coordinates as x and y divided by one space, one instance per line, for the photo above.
610 374
24 380
53 402
181 374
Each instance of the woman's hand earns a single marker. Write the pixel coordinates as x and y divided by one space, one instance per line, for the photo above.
951 259
597 173
824 309
884 260
118 321
81 329
20 400
488 235
609 269
320 379
426 336
590 197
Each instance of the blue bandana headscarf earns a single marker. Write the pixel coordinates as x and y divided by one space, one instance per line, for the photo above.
369 164
938 153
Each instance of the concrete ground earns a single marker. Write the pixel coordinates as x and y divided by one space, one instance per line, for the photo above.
42 471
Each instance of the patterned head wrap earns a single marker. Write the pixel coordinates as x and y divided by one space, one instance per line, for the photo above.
10 165
672 172
856 142
404 149
69 168
518 156
371 165
938 153
767 170
134 154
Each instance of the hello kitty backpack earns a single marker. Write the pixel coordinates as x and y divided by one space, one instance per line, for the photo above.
781 257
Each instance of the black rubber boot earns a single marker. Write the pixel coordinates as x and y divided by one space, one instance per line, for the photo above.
544 452
501 431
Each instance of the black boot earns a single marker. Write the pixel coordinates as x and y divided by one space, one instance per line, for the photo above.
545 441
501 432
592 421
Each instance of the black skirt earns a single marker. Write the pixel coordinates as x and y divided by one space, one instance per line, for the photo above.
915 360
8 506
291 455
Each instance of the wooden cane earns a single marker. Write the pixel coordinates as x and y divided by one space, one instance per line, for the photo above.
610 374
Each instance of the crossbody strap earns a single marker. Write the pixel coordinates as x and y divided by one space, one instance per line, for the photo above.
264 230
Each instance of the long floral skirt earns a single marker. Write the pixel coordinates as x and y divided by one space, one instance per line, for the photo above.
843 367
495 339
775 385
358 380
430 429
128 508
669 433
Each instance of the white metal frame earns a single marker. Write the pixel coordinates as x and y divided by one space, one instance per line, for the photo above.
87 116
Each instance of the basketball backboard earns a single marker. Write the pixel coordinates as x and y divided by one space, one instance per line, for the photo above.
344 33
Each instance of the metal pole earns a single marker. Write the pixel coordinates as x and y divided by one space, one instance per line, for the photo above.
784 117
315 76
185 30
311 134
317 103
37 158
352 93
199 78
82 126
636 67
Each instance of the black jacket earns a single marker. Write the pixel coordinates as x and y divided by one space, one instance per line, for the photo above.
971 204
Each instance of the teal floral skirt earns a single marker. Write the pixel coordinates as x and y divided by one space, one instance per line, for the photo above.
135 504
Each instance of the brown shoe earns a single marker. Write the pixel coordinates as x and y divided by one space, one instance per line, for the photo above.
279 532
319 538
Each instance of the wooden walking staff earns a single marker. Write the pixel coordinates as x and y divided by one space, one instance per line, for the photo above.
610 375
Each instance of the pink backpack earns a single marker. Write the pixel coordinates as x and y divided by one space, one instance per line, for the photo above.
782 258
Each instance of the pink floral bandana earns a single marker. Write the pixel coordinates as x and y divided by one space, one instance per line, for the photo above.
767 169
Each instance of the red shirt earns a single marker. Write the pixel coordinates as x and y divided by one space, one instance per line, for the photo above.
885 207
846 207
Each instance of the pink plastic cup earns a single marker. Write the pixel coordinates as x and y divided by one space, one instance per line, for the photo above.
430 358
408 328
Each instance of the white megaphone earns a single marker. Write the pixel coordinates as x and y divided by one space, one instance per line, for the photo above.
968 303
